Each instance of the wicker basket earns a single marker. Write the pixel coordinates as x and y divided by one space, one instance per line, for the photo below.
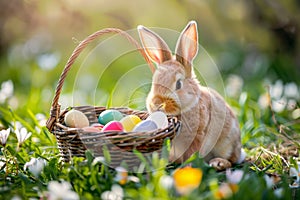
120 145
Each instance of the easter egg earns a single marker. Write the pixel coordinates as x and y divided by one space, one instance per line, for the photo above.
76 119
98 126
160 119
109 115
129 122
144 126
113 126
91 129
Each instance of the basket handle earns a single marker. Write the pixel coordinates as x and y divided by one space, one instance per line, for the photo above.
55 106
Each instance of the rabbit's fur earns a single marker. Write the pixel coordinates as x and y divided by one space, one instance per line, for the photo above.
208 124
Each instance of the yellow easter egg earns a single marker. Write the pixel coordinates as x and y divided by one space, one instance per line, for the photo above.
129 122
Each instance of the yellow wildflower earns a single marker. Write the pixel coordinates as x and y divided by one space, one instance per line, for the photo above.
187 179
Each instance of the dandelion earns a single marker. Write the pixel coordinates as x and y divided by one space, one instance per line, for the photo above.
35 166
22 135
122 176
116 193
187 179
4 135
295 173
61 191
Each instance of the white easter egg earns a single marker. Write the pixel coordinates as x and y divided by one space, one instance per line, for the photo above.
160 119
76 119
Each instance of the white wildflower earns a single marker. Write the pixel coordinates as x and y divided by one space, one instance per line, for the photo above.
4 135
296 113
18 125
35 166
61 191
234 176
16 197
278 192
264 101
22 135
291 104
166 182
291 90
122 176
2 163
279 105
234 85
276 90
270 181
99 159
116 193
6 91
41 118
295 173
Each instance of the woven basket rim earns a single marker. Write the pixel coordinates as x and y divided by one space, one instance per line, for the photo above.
61 128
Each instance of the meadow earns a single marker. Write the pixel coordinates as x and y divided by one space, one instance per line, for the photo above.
258 75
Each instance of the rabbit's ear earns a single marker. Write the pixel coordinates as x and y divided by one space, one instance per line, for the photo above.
187 46
155 47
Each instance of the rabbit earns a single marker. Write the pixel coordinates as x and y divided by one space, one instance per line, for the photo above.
209 126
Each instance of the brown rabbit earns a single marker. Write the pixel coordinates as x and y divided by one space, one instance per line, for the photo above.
208 124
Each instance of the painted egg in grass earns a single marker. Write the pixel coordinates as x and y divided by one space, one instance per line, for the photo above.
145 126
113 126
160 119
76 119
109 115
129 122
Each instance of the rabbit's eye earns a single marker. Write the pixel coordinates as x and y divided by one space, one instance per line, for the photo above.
178 84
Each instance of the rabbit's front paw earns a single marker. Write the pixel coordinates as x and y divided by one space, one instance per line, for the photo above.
220 163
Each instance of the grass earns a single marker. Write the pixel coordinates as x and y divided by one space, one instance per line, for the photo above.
271 140
33 169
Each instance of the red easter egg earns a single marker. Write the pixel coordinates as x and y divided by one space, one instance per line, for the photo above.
113 126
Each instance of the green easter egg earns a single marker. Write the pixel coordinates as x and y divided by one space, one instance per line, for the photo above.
109 115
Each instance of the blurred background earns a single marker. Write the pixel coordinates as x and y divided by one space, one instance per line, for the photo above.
254 44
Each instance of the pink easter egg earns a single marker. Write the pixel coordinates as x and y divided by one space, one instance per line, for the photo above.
113 126
91 129
98 126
